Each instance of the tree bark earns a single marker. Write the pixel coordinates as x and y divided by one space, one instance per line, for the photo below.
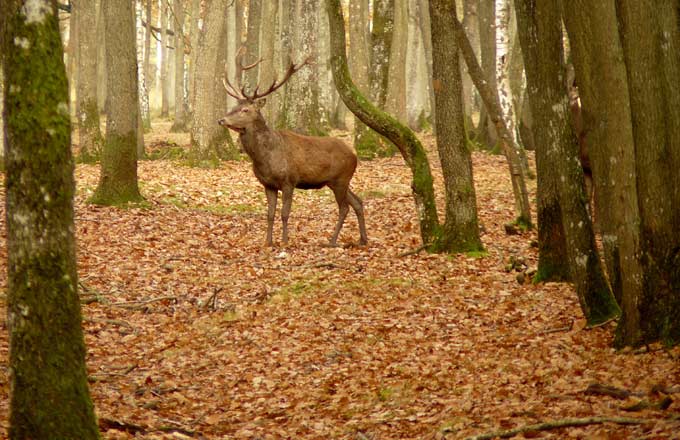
412 151
396 83
268 66
207 137
651 42
486 10
179 123
253 42
426 30
118 178
165 59
564 225
604 91
366 142
381 43
460 232
491 102
49 392
89 134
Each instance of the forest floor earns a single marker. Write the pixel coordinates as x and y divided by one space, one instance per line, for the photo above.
195 329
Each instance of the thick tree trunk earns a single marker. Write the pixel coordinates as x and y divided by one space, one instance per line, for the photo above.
461 228
89 134
381 43
407 143
651 44
179 123
49 392
207 137
396 84
492 103
101 60
564 224
604 91
193 38
118 178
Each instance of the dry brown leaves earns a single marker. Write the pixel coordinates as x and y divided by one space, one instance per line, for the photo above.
199 330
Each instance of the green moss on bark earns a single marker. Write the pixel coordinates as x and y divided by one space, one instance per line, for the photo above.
118 180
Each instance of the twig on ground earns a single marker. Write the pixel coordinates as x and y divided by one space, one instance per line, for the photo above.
141 304
566 328
555 424
646 404
211 302
413 252
608 390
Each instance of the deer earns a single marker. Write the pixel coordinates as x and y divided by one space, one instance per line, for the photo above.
283 160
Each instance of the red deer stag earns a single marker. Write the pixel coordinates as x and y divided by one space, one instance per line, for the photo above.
284 160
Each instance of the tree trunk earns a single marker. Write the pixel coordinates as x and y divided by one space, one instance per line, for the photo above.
564 224
48 379
253 42
471 25
426 30
381 43
144 111
207 137
366 141
165 59
486 10
408 144
651 42
118 178
461 229
396 84
86 89
180 104
101 60
268 66
308 115
195 34
491 102
603 88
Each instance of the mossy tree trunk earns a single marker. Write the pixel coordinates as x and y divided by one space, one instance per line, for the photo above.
566 215
404 139
89 134
118 178
460 232
598 58
49 391
651 44
492 104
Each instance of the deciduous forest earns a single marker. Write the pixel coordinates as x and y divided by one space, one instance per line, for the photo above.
351 219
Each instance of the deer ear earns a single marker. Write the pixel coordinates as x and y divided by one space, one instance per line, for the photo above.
261 102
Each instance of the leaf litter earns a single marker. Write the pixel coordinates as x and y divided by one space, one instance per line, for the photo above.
195 329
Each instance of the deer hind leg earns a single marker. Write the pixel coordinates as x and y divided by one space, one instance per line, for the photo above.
272 195
341 197
358 207
287 195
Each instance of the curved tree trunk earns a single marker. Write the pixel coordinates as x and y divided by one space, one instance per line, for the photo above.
461 227
566 215
49 392
493 106
407 143
118 178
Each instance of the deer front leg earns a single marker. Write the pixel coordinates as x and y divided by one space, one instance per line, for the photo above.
272 195
287 194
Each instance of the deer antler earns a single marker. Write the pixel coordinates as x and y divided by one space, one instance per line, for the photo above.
240 91
292 68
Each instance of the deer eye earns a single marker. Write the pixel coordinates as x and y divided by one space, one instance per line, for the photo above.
245 110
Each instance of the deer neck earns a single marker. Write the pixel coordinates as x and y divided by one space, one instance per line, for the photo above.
259 140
